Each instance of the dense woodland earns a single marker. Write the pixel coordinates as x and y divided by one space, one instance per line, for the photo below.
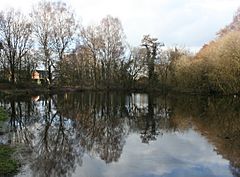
99 57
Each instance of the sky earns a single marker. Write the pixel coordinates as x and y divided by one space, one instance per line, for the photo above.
185 23
172 154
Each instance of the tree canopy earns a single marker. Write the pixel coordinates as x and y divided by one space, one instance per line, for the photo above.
99 57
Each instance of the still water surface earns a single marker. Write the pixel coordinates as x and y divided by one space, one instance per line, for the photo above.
130 135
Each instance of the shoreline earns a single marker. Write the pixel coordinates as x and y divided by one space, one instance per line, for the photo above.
58 90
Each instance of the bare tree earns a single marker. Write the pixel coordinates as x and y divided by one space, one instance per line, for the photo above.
233 26
65 29
42 26
112 48
55 27
15 32
91 41
138 60
105 46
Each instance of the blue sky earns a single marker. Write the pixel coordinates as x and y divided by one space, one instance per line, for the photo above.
189 23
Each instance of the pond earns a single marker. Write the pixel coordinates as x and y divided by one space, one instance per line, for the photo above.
124 134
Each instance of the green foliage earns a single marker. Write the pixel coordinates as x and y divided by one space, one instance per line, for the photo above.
3 114
8 165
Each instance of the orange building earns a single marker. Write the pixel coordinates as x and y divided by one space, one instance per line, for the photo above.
35 75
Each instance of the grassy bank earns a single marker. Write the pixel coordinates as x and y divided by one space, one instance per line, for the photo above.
28 89
3 115
8 165
3 118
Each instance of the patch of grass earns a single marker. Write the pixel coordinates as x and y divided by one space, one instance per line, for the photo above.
3 114
8 165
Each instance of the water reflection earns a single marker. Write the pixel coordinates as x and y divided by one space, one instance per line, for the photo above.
67 134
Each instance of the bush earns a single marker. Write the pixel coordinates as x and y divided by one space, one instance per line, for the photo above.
8 166
216 68
3 114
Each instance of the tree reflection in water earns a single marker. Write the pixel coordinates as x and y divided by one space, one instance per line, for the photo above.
100 121
217 119
58 130
52 145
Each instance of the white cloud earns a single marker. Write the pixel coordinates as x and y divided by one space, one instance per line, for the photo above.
184 22
172 154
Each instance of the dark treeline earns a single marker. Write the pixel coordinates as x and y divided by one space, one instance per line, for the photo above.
99 57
